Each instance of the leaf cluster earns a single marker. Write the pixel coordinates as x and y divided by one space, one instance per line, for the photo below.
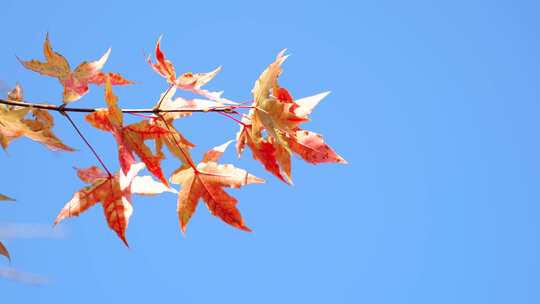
271 129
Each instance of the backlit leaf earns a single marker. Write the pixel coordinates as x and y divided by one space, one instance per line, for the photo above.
114 193
206 181
75 82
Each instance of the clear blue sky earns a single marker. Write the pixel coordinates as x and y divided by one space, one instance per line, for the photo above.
435 106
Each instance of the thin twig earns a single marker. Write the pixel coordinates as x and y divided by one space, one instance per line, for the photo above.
142 115
232 117
163 96
186 155
86 142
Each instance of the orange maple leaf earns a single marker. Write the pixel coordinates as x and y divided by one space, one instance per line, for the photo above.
191 82
276 112
206 181
75 82
130 139
114 193
14 125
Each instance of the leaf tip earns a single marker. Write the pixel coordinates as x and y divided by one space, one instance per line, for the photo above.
251 179
4 252
19 59
183 229
101 61
245 228
58 219
124 240
223 147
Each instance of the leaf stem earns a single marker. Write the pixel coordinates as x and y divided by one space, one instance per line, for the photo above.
163 96
86 142
142 115
186 156
232 117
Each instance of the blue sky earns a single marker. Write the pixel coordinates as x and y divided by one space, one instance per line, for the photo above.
434 105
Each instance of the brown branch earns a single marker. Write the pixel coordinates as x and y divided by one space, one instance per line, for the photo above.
224 109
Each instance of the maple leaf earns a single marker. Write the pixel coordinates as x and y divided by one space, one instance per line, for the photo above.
273 113
206 181
75 82
14 125
130 139
276 112
180 107
114 193
273 157
310 147
4 251
191 82
175 142
5 198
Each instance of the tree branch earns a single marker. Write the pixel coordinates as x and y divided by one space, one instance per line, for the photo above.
224 109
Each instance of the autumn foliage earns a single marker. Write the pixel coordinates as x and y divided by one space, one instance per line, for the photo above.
271 129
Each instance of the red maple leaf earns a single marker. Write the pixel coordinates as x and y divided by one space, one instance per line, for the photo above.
130 139
191 82
114 193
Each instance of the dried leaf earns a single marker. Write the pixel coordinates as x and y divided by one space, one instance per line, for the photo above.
16 93
14 125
